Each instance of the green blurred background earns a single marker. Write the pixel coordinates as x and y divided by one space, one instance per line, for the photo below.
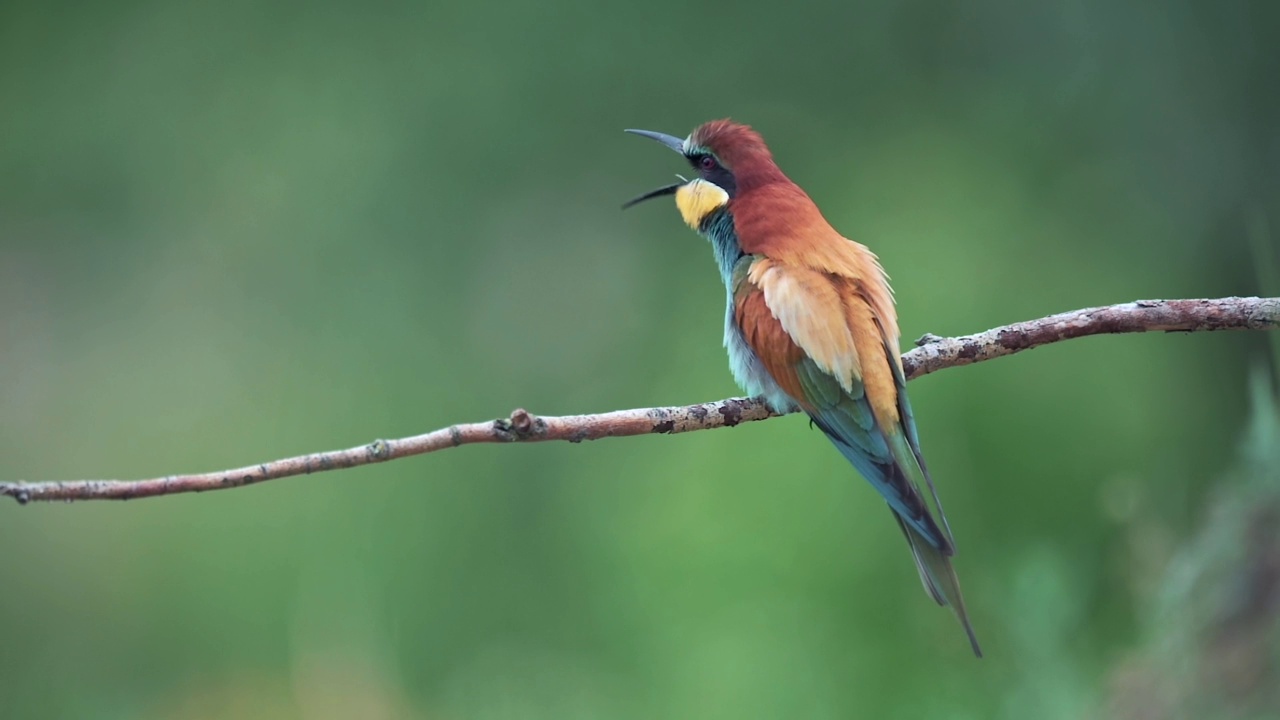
235 231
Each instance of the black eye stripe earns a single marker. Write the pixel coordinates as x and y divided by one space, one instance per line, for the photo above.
710 169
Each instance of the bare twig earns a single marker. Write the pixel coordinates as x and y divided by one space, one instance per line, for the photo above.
934 353
1142 316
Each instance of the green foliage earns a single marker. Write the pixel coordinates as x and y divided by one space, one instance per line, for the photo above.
1210 644
231 232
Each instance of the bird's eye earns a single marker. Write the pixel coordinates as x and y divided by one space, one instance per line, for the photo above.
706 162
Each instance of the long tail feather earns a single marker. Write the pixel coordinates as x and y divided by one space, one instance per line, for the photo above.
939 578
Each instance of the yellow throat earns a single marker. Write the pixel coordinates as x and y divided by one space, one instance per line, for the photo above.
699 198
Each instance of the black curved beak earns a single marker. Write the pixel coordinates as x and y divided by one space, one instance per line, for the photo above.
670 141
674 143
664 190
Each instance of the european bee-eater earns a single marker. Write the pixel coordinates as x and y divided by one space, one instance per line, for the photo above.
811 324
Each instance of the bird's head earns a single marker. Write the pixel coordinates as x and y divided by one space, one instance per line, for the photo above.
727 158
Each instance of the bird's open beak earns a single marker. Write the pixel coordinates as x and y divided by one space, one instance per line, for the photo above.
660 192
670 141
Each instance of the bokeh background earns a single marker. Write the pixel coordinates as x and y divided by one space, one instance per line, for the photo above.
235 231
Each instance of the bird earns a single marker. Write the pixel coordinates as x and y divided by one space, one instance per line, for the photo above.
811 325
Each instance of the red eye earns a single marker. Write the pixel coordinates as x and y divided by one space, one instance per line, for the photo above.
707 162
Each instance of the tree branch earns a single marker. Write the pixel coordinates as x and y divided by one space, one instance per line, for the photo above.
933 353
